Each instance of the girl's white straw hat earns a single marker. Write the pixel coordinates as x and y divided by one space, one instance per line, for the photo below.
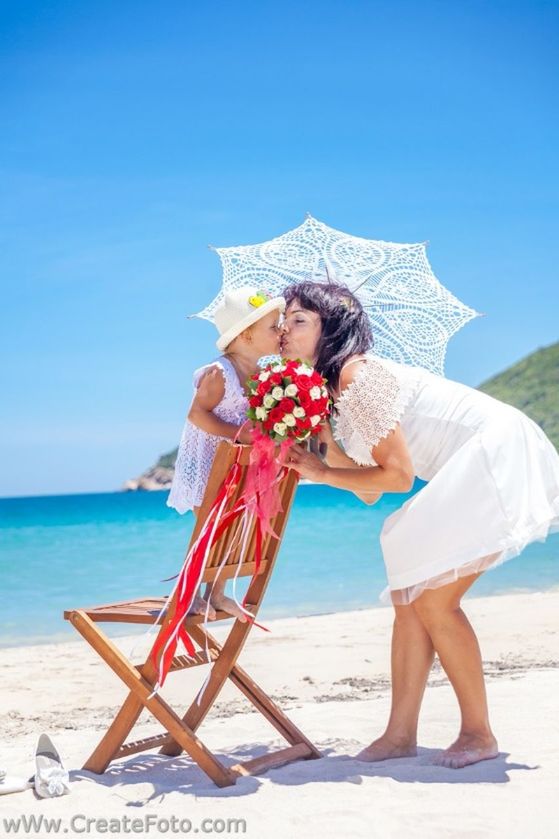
240 309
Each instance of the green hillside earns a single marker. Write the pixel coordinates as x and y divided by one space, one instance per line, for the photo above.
533 386
167 460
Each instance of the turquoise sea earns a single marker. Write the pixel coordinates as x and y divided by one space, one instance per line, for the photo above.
60 552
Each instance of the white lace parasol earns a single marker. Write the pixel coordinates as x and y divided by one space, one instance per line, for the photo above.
412 314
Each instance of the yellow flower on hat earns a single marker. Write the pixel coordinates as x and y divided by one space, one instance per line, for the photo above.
258 299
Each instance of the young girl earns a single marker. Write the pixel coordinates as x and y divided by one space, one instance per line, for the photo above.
248 324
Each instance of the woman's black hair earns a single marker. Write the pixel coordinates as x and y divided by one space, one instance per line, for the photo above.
346 329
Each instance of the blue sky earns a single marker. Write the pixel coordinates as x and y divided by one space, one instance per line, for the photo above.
135 134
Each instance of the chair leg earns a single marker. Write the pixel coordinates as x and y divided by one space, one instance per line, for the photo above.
120 727
116 734
251 690
260 699
270 710
219 673
160 709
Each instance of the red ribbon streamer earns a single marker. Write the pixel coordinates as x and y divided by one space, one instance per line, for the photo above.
190 575
261 498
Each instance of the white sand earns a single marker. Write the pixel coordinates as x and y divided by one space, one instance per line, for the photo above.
331 675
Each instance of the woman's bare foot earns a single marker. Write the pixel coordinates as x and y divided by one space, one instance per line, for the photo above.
468 749
385 748
226 604
200 606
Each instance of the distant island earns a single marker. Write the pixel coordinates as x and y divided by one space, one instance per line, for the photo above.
531 385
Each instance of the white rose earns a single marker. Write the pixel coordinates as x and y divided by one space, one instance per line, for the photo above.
280 428
277 393
304 370
261 413
289 420
264 376
315 420
291 390
298 411
269 401
324 392
314 392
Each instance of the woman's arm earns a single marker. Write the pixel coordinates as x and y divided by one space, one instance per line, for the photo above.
394 472
209 394
336 457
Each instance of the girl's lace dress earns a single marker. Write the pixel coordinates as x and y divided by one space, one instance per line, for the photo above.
197 448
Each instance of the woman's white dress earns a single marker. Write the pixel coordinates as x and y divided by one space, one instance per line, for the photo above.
493 475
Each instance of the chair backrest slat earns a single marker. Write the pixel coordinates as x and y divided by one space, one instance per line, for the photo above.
231 541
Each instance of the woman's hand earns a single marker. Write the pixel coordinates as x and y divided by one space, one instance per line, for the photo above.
326 435
330 449
306 464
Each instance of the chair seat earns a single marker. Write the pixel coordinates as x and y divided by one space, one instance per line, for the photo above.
144 610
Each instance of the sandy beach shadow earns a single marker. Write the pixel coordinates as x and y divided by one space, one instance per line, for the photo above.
166 775
421 770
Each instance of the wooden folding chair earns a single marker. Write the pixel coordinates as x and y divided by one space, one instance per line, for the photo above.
179 733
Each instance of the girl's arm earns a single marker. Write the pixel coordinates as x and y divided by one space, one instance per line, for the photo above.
208 395
394 472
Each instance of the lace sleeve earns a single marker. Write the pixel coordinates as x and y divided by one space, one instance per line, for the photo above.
369 408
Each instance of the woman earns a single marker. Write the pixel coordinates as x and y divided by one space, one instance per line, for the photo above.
493 487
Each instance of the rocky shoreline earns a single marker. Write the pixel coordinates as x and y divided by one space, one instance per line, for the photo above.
155 478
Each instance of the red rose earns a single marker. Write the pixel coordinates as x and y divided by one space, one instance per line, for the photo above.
275 379
318 406
316 429
304 383
276 414
287 405
254 401
264 388
268 424
305 400
303 423
316 378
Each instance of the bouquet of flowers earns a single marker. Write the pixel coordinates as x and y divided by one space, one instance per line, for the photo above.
288 400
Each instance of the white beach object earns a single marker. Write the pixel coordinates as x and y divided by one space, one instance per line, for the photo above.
412 314
51 778
12 783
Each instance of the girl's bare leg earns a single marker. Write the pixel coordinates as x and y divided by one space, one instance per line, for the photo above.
215 593
215 598
200 607
458 650
412 657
